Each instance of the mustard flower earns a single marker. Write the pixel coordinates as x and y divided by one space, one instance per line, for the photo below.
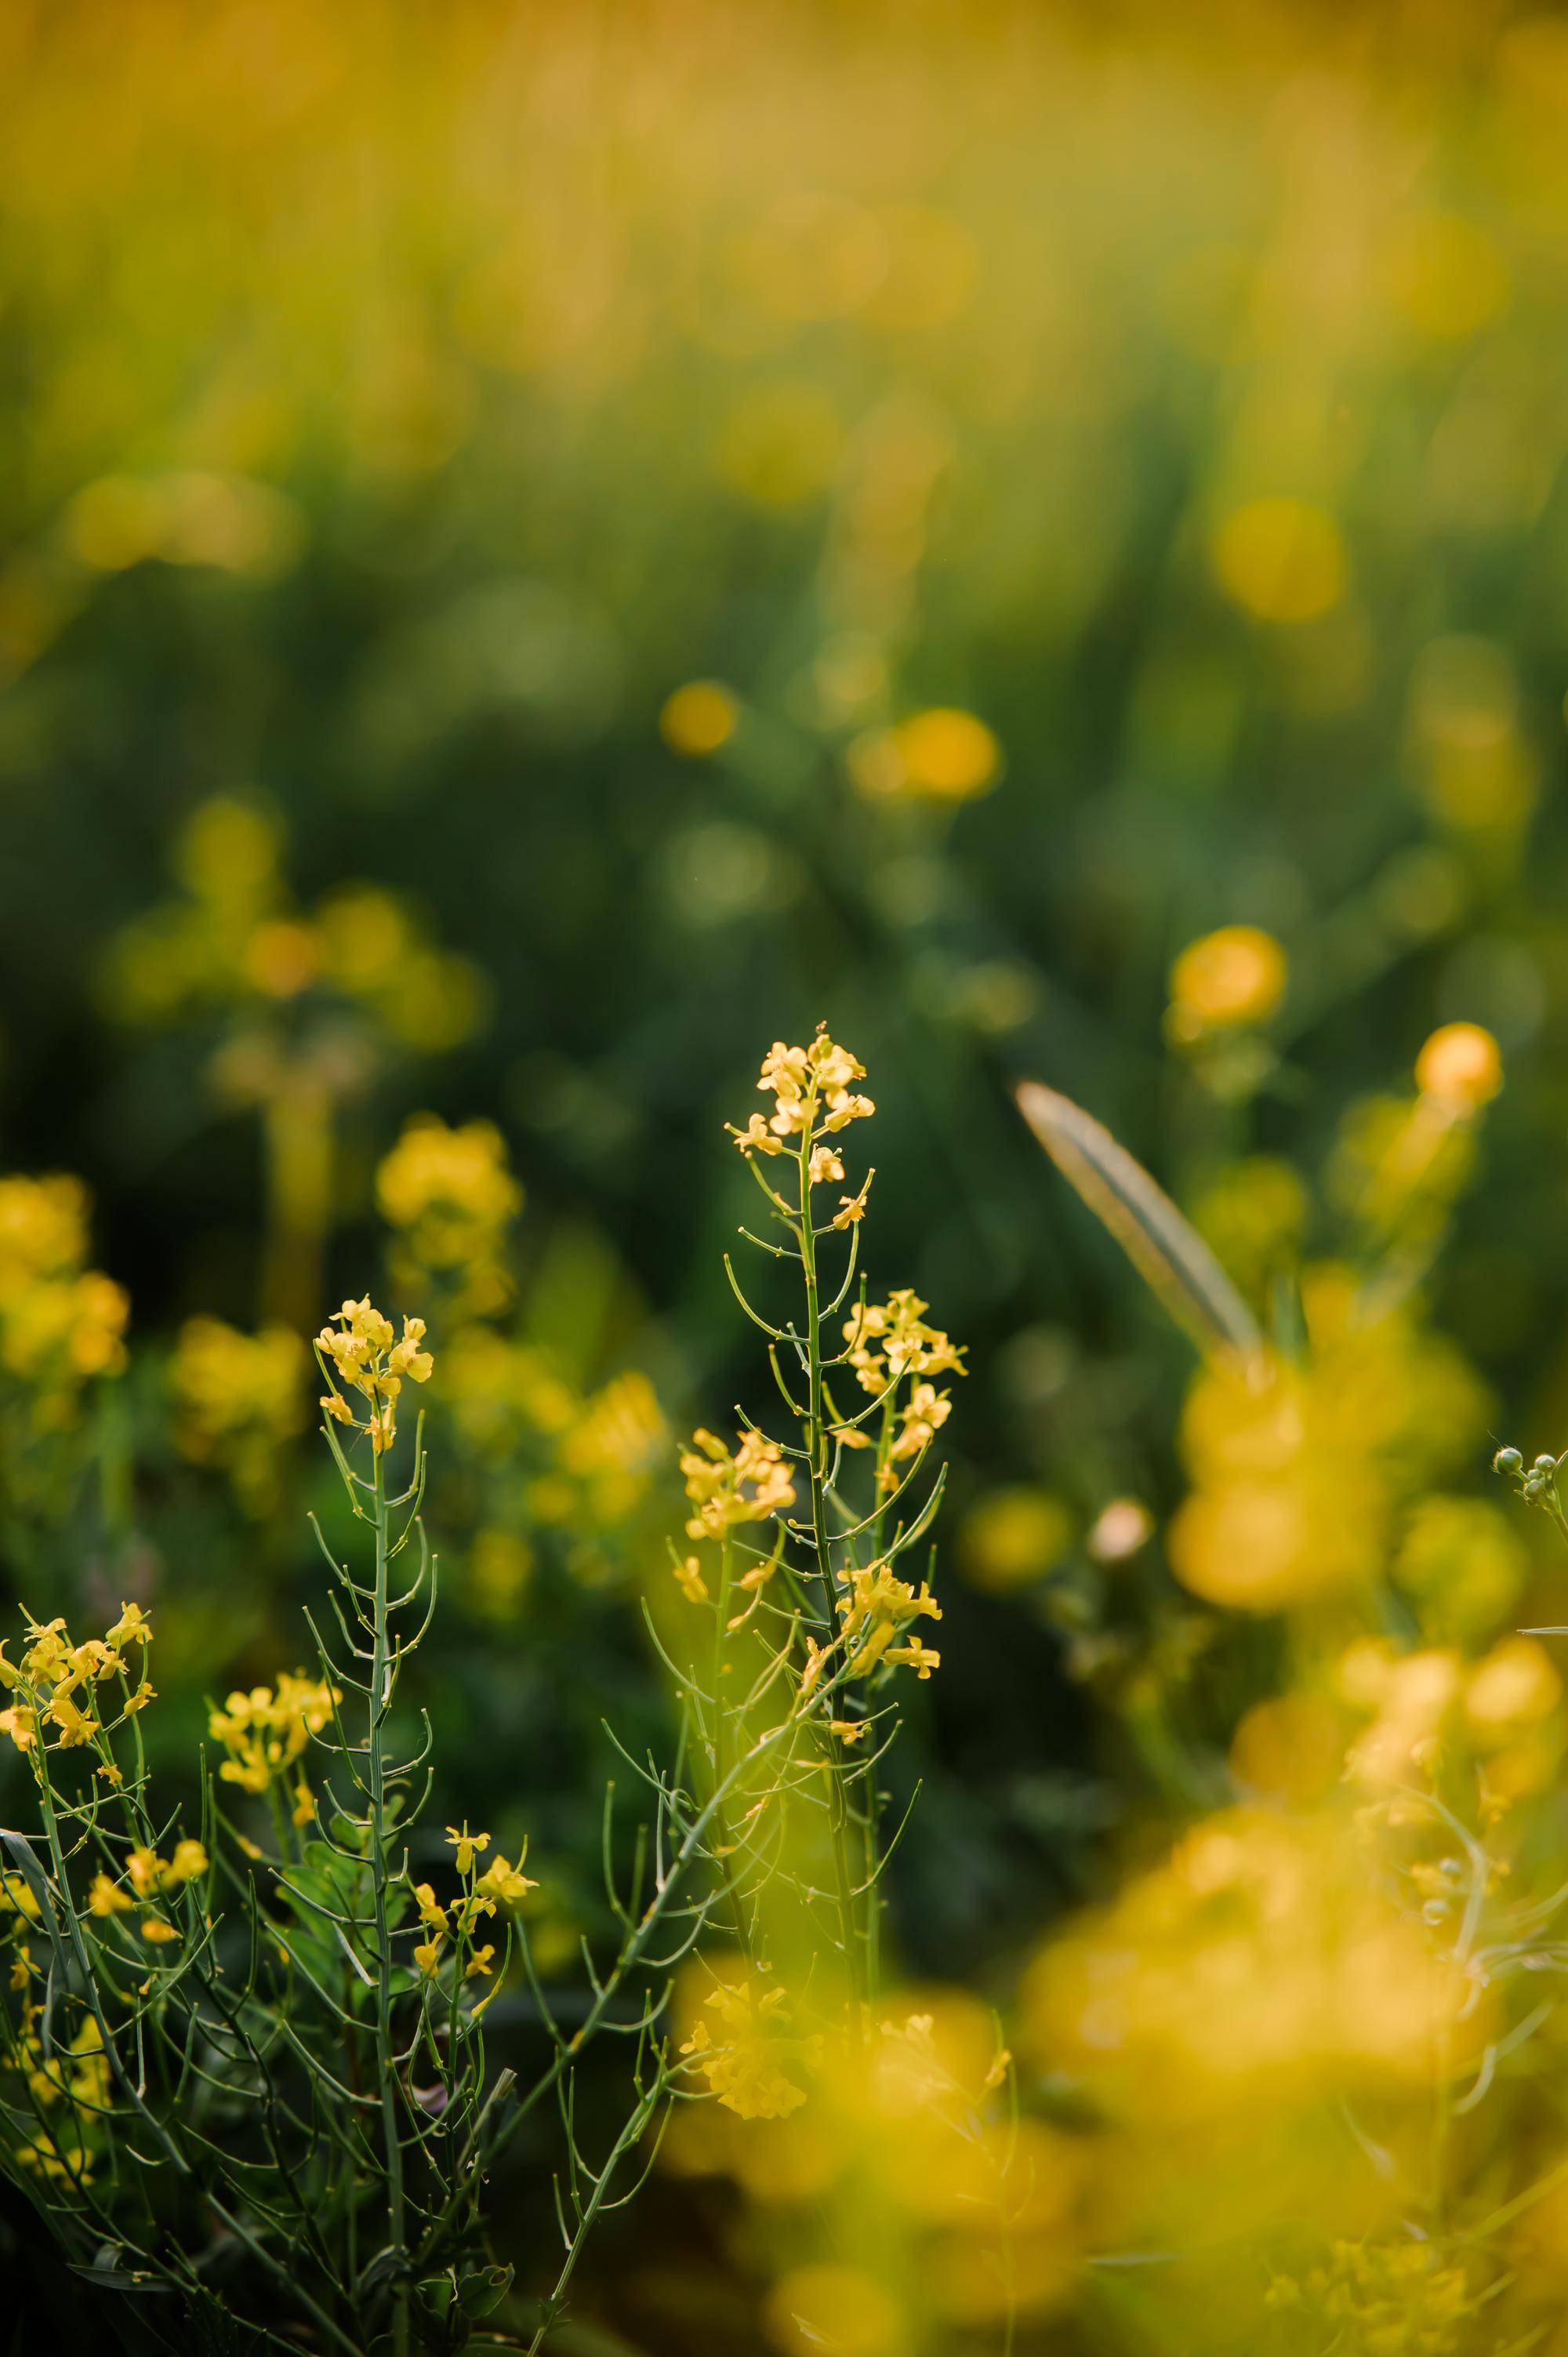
467 1846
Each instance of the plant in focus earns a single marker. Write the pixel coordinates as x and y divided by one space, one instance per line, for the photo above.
863 2118
243 2074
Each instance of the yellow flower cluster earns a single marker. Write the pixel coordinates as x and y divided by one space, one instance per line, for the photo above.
68 2095
360 1349
750 1485
501 1884
812 1099
234 939
238 1399
749 2050
148 1876
876 1612
585 1457
265 1731
61 1323
1298 1472
1259 1966
451 1199
1392 2300
55 1689
1419 1708
889 1340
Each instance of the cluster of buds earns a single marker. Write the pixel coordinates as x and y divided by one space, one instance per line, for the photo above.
500 1884
1537 1482
360 1350
54 1690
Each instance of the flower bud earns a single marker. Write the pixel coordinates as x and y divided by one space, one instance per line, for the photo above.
1507 1461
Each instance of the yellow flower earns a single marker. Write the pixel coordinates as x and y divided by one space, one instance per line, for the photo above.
744 2059
467 1846
238 1400
1460 1067
941 755
132 1627
1235 976
853 1207
189 1859
689 1579
698 718
428 1957
361 1351
507 1885
432 1914
157 1931
106 1897
479 1963
824 1166
75 1725
749 1486
1282 560
875 1613
452 1198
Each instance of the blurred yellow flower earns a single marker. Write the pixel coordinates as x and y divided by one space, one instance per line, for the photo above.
238 1399
1234 977
699 718
1282 560
1013 1536
1461 1067
941 755
828 2306
1446 275
1297 1469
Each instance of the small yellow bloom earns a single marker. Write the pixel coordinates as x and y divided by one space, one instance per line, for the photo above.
75 1725
479 1963
1282 560
146 1868
1460 1067
848 1730
467 1846
698 718
189 1859
689 1579
158 1933
853 1207
105 1897
507 1885
824 1166
428 1957
432 1914
21 1967
1234 977
945 755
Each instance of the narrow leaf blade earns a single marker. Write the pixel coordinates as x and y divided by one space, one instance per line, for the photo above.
1165 1248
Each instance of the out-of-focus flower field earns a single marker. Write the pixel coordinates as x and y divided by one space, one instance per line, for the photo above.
543 549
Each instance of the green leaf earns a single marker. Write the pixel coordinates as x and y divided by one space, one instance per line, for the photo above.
1165 1249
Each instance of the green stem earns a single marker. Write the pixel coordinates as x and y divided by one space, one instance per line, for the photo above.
817 1468
380 1671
